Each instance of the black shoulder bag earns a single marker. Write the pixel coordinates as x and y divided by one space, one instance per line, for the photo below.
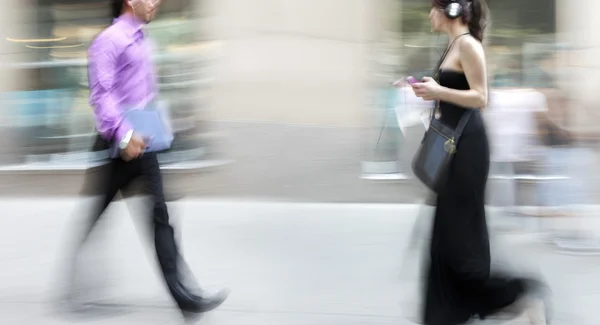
431 163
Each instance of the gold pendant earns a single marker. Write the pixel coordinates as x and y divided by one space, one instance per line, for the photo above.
449 146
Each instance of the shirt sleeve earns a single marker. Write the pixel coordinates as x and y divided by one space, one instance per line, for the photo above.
102 73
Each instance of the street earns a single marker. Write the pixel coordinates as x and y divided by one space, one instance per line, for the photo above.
286 263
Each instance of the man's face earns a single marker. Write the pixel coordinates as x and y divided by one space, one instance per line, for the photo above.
145 9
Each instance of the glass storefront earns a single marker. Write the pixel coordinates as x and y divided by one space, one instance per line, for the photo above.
49 109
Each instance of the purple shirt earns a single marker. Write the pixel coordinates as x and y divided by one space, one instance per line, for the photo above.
121 75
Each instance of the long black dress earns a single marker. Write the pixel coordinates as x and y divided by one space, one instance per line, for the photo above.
459 284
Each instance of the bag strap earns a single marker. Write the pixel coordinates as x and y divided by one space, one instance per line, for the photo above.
462 124
436 73
466 115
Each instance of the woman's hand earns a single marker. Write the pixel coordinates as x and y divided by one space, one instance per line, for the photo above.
428 89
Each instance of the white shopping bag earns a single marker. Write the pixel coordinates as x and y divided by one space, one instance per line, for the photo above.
411 109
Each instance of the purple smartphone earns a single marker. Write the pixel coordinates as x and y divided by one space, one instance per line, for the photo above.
412 80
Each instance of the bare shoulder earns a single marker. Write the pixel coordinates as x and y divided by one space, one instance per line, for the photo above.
470 47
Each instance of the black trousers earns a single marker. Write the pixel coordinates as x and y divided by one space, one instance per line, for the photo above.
115 177
119 175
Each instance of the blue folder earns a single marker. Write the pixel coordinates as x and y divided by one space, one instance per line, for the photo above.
153 124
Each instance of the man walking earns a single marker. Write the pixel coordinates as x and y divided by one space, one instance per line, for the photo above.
121 76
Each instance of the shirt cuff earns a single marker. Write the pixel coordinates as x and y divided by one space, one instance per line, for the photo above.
122 132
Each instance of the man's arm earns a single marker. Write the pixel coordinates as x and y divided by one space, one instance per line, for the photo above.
102 70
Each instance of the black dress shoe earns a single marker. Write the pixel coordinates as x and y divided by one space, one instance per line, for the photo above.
190 317
189 302
208 302
202 304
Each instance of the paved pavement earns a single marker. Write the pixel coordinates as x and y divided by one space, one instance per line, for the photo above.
286 263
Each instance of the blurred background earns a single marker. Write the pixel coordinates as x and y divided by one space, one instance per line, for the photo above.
291 101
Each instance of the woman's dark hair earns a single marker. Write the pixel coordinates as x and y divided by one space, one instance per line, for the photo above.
117 7
475 14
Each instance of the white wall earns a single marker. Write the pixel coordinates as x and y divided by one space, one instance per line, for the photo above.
578 25
293 61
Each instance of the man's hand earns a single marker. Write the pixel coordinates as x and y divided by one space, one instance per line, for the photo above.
135 148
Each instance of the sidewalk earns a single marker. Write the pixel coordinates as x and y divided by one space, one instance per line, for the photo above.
286 263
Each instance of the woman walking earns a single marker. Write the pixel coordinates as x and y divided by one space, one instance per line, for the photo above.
459 282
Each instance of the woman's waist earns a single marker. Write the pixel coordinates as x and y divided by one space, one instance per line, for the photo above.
451 109
453 118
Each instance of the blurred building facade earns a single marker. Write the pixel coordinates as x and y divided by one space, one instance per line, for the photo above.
46 103
295 92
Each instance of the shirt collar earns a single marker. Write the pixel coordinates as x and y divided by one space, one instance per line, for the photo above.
131 24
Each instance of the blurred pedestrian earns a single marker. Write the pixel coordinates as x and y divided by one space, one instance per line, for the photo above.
121 76
459 281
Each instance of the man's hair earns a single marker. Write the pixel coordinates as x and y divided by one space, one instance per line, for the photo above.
117 7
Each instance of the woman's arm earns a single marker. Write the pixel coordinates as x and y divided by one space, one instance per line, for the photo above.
472 59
